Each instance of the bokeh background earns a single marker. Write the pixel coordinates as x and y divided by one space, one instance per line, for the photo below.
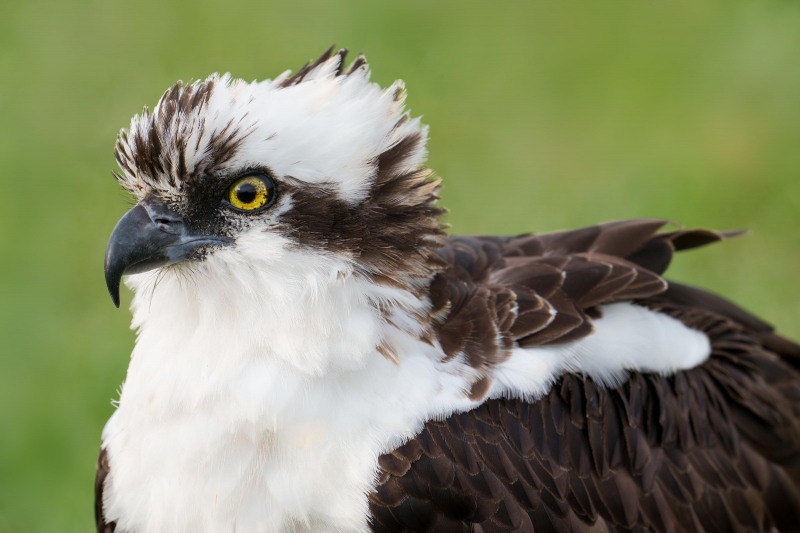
543 115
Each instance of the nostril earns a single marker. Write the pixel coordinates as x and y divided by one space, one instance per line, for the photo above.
169 224
167 221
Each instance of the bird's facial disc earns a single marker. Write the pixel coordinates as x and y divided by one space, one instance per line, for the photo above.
153 235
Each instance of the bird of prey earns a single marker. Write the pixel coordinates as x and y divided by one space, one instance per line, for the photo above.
316 354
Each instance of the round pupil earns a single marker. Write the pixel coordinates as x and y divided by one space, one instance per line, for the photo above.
246 193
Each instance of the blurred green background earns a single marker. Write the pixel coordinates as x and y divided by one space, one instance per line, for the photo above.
543 115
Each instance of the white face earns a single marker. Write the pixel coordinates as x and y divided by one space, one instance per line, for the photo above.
276 191
340 161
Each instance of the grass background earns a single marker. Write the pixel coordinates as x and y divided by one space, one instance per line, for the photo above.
543 115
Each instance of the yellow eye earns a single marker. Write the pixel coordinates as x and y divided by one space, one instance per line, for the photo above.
251 192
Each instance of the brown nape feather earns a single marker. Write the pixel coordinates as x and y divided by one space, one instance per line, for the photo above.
392 234
714 448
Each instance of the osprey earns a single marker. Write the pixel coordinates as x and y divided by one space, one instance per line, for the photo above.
314 353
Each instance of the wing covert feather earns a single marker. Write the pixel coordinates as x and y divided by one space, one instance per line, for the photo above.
535 290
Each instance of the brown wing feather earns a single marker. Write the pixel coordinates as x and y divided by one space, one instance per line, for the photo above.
708 449
713 448
102 472
533 290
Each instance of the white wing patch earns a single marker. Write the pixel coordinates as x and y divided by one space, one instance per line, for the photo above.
627 338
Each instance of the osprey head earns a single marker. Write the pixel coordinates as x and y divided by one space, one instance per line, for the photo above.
322 161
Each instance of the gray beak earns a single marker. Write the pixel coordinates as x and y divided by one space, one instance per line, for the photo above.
147 237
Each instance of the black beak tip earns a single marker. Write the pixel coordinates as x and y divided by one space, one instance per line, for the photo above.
114 297
113 279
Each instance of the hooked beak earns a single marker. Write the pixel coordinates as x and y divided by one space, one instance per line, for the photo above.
147 237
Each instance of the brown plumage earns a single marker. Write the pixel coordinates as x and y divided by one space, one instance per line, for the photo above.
713 448
535 290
